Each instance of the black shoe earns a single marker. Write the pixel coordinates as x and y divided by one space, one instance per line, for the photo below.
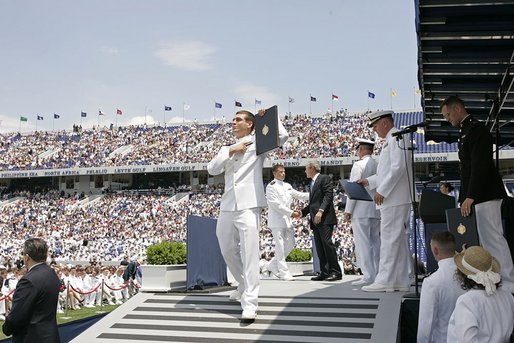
320 277
334 277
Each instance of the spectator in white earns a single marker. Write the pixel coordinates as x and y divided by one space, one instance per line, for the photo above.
279 195
392 183
238 224
364 216
486 312
440 291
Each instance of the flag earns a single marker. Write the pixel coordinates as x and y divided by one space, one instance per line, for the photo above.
119 112
39 117
393 92
56 116
238 104
335 97
167 108
313 99
418 91
100 113
22 118
83 114
186 107
291 100
257 102
217 105
371 95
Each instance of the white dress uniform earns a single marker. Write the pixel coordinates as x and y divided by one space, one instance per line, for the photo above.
439 294
365 222
393 180
481 318
238 224
279 195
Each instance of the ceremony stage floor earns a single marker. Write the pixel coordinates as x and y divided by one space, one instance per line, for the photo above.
289 311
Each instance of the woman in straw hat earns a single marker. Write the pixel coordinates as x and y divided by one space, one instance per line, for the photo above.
486 312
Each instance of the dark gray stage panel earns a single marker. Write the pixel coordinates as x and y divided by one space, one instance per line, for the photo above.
205 264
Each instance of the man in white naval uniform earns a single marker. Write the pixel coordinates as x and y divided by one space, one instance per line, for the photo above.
238 224
440 291
364 216
279 195
392 184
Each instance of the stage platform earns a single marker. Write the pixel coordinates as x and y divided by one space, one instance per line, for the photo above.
289 311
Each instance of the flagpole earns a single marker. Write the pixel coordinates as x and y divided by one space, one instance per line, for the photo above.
37 119
164 115
183 110
368 99
414 97
391 97
255 105
310 104
19 130
53 123
116 120
289 105
332 109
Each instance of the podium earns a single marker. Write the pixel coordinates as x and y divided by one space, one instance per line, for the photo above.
432 210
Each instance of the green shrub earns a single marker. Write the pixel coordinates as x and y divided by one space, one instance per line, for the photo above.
299 255
166 252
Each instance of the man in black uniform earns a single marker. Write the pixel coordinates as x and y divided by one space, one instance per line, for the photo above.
481 184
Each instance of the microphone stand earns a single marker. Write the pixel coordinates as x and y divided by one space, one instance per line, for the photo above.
414 295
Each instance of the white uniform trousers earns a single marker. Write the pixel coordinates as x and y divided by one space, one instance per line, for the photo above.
284 243
238 236
366 235
490 234
393 269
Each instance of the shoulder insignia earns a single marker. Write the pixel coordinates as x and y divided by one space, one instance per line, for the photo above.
272 182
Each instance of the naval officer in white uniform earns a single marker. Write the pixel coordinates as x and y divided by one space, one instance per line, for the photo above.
279 195
364 216
392 184
238 224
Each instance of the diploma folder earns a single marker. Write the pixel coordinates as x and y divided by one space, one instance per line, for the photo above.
355 191
266 131
463 228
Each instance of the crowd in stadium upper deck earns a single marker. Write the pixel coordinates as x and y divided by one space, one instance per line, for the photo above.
310 137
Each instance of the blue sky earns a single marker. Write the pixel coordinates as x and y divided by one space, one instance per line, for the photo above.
68 57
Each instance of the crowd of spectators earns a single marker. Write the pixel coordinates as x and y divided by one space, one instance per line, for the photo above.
116 225
331 135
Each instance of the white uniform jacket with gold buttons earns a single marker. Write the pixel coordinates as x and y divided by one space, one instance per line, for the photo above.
244 185
280 195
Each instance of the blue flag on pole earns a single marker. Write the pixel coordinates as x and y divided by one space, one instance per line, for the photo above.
39 117
167 108
56 116
83 114
313 99
371 95
217 105
257 102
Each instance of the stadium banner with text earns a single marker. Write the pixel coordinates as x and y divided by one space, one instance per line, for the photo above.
184 167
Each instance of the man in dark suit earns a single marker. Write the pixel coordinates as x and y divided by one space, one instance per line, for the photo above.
322 221
481 184
33 312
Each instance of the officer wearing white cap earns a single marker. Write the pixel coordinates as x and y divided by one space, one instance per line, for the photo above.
364 216
391 183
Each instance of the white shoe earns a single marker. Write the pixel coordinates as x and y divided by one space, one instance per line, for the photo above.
377 287
287 277
58 311
361 282
118 302
89 305
235 296
249 315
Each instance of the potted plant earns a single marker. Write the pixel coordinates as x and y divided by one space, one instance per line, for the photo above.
299 261
165 268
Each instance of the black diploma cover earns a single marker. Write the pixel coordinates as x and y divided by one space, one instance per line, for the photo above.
355 191
463 228
266 131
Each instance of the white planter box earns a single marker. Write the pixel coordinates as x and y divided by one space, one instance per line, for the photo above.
300 268
163 278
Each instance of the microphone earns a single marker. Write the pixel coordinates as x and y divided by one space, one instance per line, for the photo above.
409 129
435 179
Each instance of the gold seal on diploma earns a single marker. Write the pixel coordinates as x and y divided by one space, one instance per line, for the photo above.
265 130
461 229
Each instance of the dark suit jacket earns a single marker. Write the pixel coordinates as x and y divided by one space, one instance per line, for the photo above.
322 196
130 271
479 178
33 313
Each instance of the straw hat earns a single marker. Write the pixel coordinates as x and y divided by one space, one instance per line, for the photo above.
480 266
